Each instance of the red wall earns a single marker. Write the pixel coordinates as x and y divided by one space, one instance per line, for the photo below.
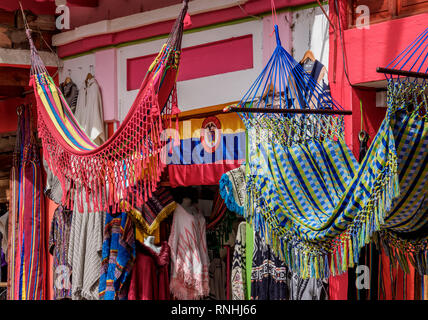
364 51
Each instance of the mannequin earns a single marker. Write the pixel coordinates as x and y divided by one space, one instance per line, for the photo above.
150 242
189 206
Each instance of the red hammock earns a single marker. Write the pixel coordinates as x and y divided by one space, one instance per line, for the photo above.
134 153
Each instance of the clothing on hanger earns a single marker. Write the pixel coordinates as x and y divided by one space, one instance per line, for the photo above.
71 92
85 250
89 111
238 278
59 237
269 273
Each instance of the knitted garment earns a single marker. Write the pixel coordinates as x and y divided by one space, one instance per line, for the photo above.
189 255
233 189
84 252
70 92
238 279
118 256
59 237
269 273
150 280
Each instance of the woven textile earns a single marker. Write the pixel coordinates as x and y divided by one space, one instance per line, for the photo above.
306 194
59 237
118 257
239 281
317 206
27 234
147 218
233 189
189 255
268 274
133 153
85 252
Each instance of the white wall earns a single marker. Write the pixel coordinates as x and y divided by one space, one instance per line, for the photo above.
310 32
78 68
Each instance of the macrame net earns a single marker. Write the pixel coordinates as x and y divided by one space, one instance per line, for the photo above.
134 153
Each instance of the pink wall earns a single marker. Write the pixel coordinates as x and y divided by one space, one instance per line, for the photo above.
200 61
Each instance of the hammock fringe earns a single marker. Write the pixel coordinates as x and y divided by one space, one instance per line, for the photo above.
345 253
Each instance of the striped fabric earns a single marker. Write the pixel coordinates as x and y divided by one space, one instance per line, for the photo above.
27 250
148 217
118 257
67 128
84 251
317 206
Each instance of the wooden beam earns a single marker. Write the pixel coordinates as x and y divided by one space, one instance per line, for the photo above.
404 73
287 111
11 91
15 77
84 3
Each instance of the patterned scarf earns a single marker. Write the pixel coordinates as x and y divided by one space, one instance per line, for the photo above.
239 281
118 256
148 217
189 255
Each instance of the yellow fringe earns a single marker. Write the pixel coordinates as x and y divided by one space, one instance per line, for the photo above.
142 224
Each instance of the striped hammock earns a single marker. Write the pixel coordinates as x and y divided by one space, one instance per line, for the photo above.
311 200
132 154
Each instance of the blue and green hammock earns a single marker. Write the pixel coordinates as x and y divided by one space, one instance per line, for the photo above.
306 193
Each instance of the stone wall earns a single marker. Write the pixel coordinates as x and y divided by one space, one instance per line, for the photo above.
12 33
